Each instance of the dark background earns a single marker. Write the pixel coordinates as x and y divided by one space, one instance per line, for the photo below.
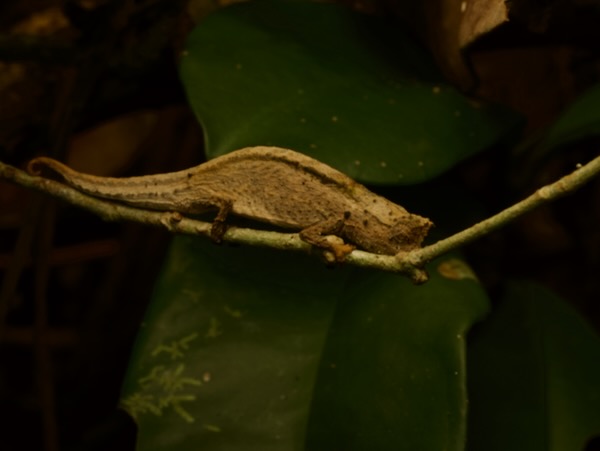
74 288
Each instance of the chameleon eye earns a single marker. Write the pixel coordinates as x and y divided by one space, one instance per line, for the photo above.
401 230
412 233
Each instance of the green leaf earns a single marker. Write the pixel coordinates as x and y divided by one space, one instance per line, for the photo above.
349 89
393 374
244 327
230 354
534 376
580 120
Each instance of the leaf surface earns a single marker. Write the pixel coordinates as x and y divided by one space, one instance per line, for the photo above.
348 89
237 347
534 376
580 120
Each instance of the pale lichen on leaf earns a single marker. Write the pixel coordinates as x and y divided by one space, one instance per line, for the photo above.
176 348
162 388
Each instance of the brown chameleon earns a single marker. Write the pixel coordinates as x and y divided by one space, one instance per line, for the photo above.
272 185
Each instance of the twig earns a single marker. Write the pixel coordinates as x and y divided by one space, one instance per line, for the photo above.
562 187
410 263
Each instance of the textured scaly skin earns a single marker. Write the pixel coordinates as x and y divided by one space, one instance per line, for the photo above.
268 184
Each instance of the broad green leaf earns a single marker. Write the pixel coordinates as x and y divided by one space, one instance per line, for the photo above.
393 375
350 89
534 376
580 120
227 354
230 354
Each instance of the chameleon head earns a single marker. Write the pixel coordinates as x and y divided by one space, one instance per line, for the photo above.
408 233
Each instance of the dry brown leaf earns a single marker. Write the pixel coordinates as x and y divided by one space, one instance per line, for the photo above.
535 81
478 18
448 26
109 148
457 24
42 23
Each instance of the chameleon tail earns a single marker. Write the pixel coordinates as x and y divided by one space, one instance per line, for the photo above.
148 192
87 183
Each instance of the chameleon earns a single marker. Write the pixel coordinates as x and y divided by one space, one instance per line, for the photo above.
276 186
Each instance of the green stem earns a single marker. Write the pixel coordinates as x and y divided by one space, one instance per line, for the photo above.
548 193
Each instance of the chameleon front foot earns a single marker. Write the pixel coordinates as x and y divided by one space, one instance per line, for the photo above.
337 251
325 235
217 231
219 227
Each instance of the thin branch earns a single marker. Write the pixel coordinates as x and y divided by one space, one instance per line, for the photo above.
562 187
410 263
